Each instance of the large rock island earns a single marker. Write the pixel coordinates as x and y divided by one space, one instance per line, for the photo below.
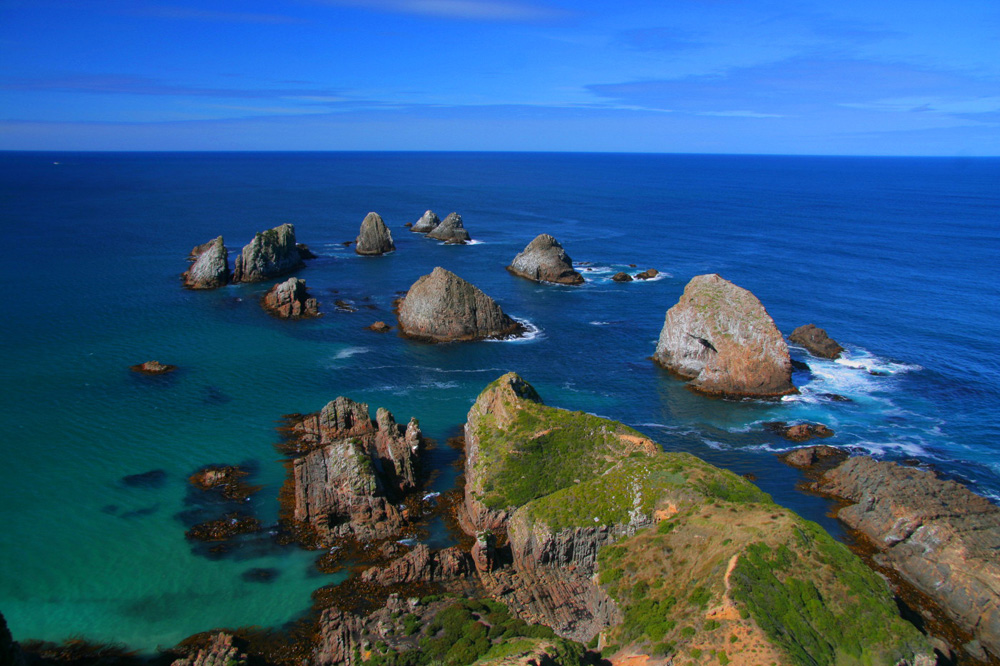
210 266
442 307
545 260
374 238
270 254
720 337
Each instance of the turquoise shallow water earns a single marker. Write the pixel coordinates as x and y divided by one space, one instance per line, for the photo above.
894 257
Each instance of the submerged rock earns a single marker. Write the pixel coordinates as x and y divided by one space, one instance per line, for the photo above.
374 238
210 267
152 368
350 472
428 222
545 260
816 341
721 338
290 300
442 307
937 534
270 254
451 230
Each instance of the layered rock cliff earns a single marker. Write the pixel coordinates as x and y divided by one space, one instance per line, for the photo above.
451 230
350 472
290 300
939 536
270 254
374 238
210 266
721 338
442 307
545 260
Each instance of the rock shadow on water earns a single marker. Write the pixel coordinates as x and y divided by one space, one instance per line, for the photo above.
261 575
154 478
213 395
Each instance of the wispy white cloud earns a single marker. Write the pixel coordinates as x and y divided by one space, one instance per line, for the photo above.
468 10
973 105
740 114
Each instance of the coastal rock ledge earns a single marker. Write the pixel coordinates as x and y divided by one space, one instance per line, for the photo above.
270 254
720 337
545 260
442 307
374 238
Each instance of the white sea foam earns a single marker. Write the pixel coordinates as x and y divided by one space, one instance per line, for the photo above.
351 351
531 333
718 446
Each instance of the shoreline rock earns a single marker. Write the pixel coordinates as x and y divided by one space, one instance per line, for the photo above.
799 432
647 274
451 230
621 276
290 300
210 266
152 368
272 253
816 341
720 338
374 239
442 307
545 260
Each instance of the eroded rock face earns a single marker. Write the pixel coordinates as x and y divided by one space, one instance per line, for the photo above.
351 471
720 337
270 254
451 230
290 300
816 341
545 260
427 222
210 267
442 307
421 565
937 534
374 238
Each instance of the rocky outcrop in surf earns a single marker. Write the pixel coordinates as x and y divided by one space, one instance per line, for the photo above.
152 368
442 307
374 238
799 432
938 535
349 472
720 337
816 341
451 230
545 260
290 300
270 254
427 222
210 266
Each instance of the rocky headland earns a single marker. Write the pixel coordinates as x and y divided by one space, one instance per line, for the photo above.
816 341
442 307
374 239
210 266
290 300
427 222
272 253
545 260
720 337
451 230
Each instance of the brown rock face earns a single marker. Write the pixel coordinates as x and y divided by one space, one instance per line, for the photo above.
374 238
380 327
451 230
937 534
808 457
290 300
152 368
720 337
442 307
621 277
545 260
421 565
210 267
270 254
647 274
816 341
428 222
353 471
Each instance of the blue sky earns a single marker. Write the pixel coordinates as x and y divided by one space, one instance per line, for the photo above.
704 76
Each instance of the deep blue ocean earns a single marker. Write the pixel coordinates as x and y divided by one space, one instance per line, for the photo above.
897 258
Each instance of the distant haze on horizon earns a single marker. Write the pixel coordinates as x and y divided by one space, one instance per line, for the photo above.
682 76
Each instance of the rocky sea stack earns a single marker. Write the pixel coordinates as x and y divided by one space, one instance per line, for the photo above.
545 260
816 341
428 222
442 307
451 230
721 338
270 254
290 300
210 267
374 238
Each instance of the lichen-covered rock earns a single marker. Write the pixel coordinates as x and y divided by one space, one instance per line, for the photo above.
937 534
451 230
442 307
350 472
816 341
721 338
290 300
545 260
210 267
270 254
427 222
374 238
